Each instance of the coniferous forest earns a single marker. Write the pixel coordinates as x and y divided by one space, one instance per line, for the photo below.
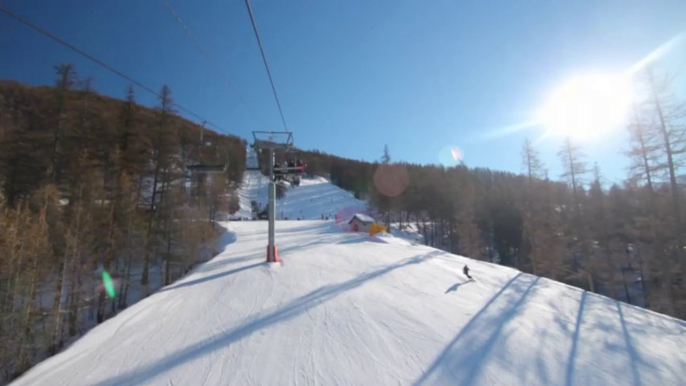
92 184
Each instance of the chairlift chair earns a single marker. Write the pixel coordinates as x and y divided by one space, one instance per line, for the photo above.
289 173
277 140
207 168
294 166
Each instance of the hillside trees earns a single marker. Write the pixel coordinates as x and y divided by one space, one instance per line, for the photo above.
533 167
163 149
659 147
93 184
666 113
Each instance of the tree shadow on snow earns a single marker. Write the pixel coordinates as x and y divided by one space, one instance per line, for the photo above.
608 316
631 348
222 262
594 316
464 357
307 245
569 378
576 323
211 277
289 311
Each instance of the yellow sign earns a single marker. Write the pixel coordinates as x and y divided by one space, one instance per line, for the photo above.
376 228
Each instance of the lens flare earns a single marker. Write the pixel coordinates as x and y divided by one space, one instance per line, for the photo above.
664 49
450 156
108 283
511 129
391 180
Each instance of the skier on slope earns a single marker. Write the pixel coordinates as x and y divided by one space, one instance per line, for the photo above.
465 270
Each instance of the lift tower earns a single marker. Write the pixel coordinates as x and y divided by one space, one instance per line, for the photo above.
271 142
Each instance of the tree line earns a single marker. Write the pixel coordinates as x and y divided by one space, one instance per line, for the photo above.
92 184
625 241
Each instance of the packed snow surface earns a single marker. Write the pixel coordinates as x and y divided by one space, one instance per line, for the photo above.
349 309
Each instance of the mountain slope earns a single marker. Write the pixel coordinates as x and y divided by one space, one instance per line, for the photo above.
349 309
314 198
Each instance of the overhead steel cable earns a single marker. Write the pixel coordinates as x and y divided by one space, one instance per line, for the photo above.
206 54
101 63
195 41
266 65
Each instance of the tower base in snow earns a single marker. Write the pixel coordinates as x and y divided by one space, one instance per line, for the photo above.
273 255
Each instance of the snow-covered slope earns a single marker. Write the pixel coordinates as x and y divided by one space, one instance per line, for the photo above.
314 198
253 188
349 309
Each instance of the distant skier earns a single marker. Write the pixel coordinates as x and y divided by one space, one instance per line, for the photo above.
465 270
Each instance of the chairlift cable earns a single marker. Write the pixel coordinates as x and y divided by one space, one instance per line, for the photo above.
101 63
205 53
266 65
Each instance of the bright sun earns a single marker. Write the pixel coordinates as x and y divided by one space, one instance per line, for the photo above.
587 107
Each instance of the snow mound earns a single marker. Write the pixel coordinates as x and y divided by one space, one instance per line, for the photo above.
342 311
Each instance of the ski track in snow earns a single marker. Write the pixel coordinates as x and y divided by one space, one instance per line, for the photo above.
345 310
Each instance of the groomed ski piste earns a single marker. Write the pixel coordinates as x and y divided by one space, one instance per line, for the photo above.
349 309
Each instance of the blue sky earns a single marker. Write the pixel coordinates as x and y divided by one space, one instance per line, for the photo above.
354 75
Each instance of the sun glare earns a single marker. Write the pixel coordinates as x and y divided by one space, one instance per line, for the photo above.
587 107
